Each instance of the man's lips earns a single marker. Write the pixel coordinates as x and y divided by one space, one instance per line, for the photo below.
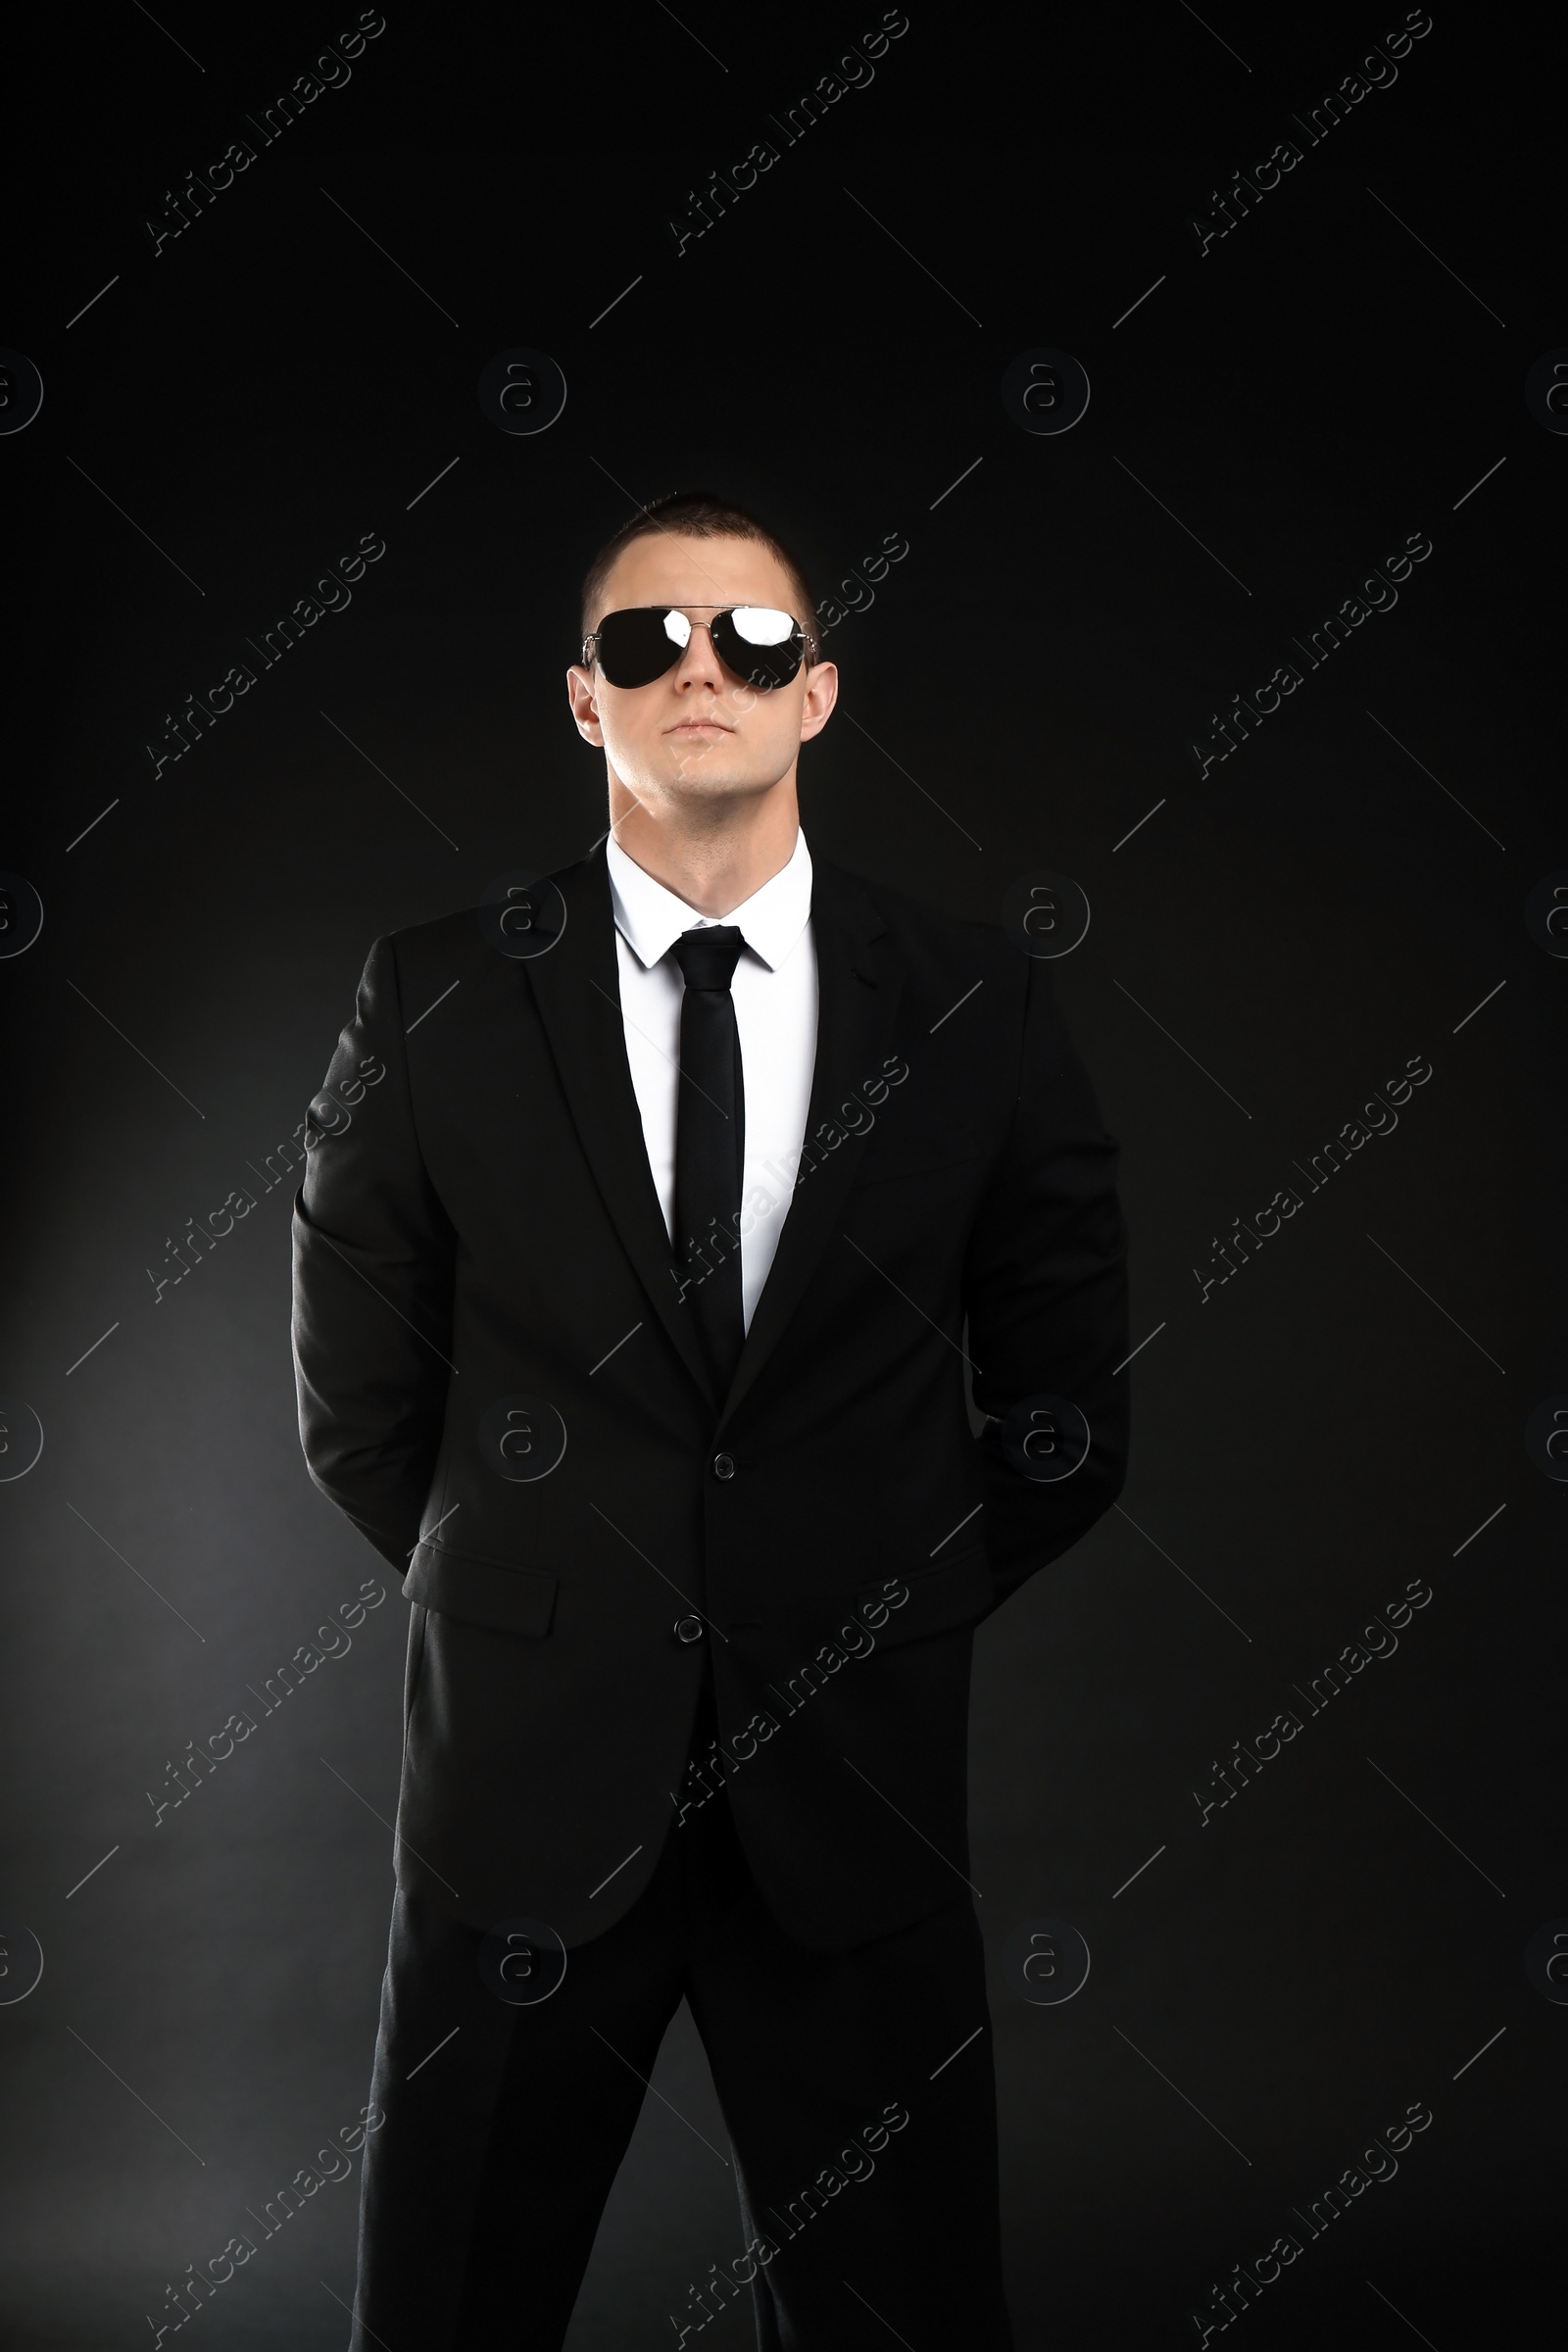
698 726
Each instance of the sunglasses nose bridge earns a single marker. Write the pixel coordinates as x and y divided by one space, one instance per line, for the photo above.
714 652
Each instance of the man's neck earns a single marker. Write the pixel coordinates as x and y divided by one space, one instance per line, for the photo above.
714 868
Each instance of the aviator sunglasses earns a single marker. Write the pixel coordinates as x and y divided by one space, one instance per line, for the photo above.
757 642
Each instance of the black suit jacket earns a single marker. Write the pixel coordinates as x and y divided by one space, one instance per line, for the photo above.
478 1225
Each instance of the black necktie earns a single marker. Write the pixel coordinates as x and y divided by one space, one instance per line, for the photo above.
711 1143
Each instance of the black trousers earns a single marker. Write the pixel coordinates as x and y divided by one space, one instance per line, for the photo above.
857 2092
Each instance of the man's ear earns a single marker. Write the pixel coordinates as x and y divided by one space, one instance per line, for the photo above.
580 693
822 693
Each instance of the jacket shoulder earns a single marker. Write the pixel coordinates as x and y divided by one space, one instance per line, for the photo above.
440 936
927 936
444 937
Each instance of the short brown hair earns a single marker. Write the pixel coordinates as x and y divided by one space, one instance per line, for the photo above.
701 514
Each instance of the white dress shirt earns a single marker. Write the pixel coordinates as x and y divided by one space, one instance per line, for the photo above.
775 993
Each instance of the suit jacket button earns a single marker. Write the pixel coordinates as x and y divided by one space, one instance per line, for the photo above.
688 1629
723 1465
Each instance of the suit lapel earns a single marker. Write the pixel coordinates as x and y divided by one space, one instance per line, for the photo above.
576 987
858 984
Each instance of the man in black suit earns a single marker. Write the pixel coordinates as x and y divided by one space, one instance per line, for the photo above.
653 1215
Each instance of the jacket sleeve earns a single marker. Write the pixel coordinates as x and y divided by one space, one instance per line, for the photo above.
1047 1299
374 1259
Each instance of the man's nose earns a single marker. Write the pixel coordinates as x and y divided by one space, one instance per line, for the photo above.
701 653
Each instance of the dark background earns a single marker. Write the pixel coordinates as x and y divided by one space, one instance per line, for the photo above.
1279 938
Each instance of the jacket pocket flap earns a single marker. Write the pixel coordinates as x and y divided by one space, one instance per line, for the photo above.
948 1595
480 1591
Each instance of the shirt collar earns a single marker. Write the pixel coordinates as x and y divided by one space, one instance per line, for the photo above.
651 919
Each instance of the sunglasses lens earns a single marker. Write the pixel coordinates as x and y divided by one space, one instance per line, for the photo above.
639 644
759 644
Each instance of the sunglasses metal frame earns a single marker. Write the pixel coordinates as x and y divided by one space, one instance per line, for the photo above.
799 637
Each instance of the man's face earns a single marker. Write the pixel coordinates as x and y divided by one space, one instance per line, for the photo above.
699 736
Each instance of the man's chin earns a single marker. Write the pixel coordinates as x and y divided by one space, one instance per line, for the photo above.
713 784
